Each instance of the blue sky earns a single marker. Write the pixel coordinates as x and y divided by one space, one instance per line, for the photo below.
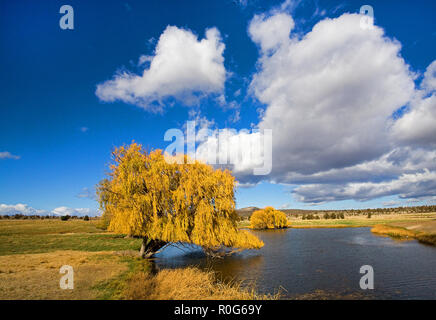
56 133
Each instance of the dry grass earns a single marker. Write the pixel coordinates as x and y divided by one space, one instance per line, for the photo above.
393 232
36 276
418 226
424 232
187 284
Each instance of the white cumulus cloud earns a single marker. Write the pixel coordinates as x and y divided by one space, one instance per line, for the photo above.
418 125
182 67
26 210
330 96
20 208
80 212
270 32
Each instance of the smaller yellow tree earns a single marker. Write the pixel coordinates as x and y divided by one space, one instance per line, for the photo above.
268 218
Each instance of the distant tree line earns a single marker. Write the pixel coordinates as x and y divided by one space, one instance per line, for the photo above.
333 214
326 215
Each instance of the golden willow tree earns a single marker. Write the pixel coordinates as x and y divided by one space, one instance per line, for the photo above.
166 202
268 218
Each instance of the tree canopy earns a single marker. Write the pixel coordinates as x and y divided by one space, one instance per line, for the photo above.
268 218
163 202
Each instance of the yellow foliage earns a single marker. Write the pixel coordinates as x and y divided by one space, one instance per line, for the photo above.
172 201
268 218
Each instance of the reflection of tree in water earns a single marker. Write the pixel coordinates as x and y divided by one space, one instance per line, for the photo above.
232 267
236 267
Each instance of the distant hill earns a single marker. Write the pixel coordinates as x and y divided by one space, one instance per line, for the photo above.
245 213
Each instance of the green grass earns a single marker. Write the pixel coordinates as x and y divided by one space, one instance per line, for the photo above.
335 222
47 226
244 223
17 237
360 221
354 221
114 289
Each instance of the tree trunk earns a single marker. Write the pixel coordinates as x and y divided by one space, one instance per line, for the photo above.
143 245
150 247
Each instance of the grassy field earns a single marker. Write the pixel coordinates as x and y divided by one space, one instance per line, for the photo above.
362 220
355 221
105 266
40 236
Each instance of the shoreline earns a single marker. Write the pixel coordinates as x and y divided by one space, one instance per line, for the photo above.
398 227
409 232
333 226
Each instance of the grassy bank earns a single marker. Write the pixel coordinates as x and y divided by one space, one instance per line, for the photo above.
105 266
423 231
141 282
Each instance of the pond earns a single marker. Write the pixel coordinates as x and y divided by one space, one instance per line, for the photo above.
323 263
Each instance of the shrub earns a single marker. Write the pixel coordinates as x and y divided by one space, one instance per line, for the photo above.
268 218
86 218
65 218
